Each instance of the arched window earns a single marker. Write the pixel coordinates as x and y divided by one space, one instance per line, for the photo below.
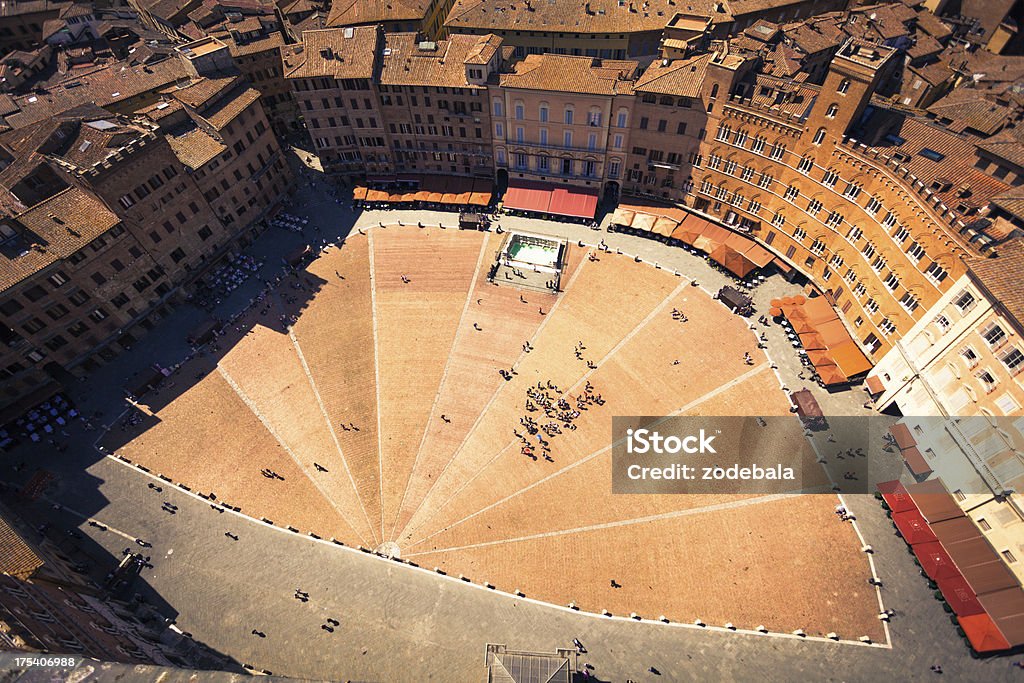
714 90
520 111
844 85
544 109
498 108
832 110
819 137
568 115
622 118
594 116
666 100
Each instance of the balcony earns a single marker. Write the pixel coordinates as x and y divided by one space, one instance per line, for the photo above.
550 146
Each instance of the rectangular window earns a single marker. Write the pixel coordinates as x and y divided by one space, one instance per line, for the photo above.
987 380
993 334
916 252
965 301
909 302
935 272
1013 359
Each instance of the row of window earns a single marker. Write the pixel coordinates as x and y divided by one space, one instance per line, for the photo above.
594 116
566 167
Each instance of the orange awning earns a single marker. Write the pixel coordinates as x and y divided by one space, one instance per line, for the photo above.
830 375
983 633
819 311
850 359
690 231
664 226
359 192
738 242
710 238
820 357
623 217
801 326
812 340
874 385
774 312
759 255
643 221
833 332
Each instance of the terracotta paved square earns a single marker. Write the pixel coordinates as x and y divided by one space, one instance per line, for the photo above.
383 407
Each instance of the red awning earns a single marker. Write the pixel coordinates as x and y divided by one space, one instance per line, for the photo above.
1006 607
915 461
914 528
896 497
960 597
901 433
574 202
934 502
534 197
983 633
935 561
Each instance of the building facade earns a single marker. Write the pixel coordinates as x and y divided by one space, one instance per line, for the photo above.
107 217
564 119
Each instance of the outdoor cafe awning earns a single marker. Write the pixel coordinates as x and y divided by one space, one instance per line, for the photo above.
574 202
536 197
664 226
806 404
960 596
623 217
643 222
733 261
710 238
914 527
819 328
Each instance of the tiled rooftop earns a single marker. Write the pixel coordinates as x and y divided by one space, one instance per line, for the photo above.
195 147
1002 276
358 12
563 73
107 85
64 224
572 16
682 77
404 63
17 558
333 52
